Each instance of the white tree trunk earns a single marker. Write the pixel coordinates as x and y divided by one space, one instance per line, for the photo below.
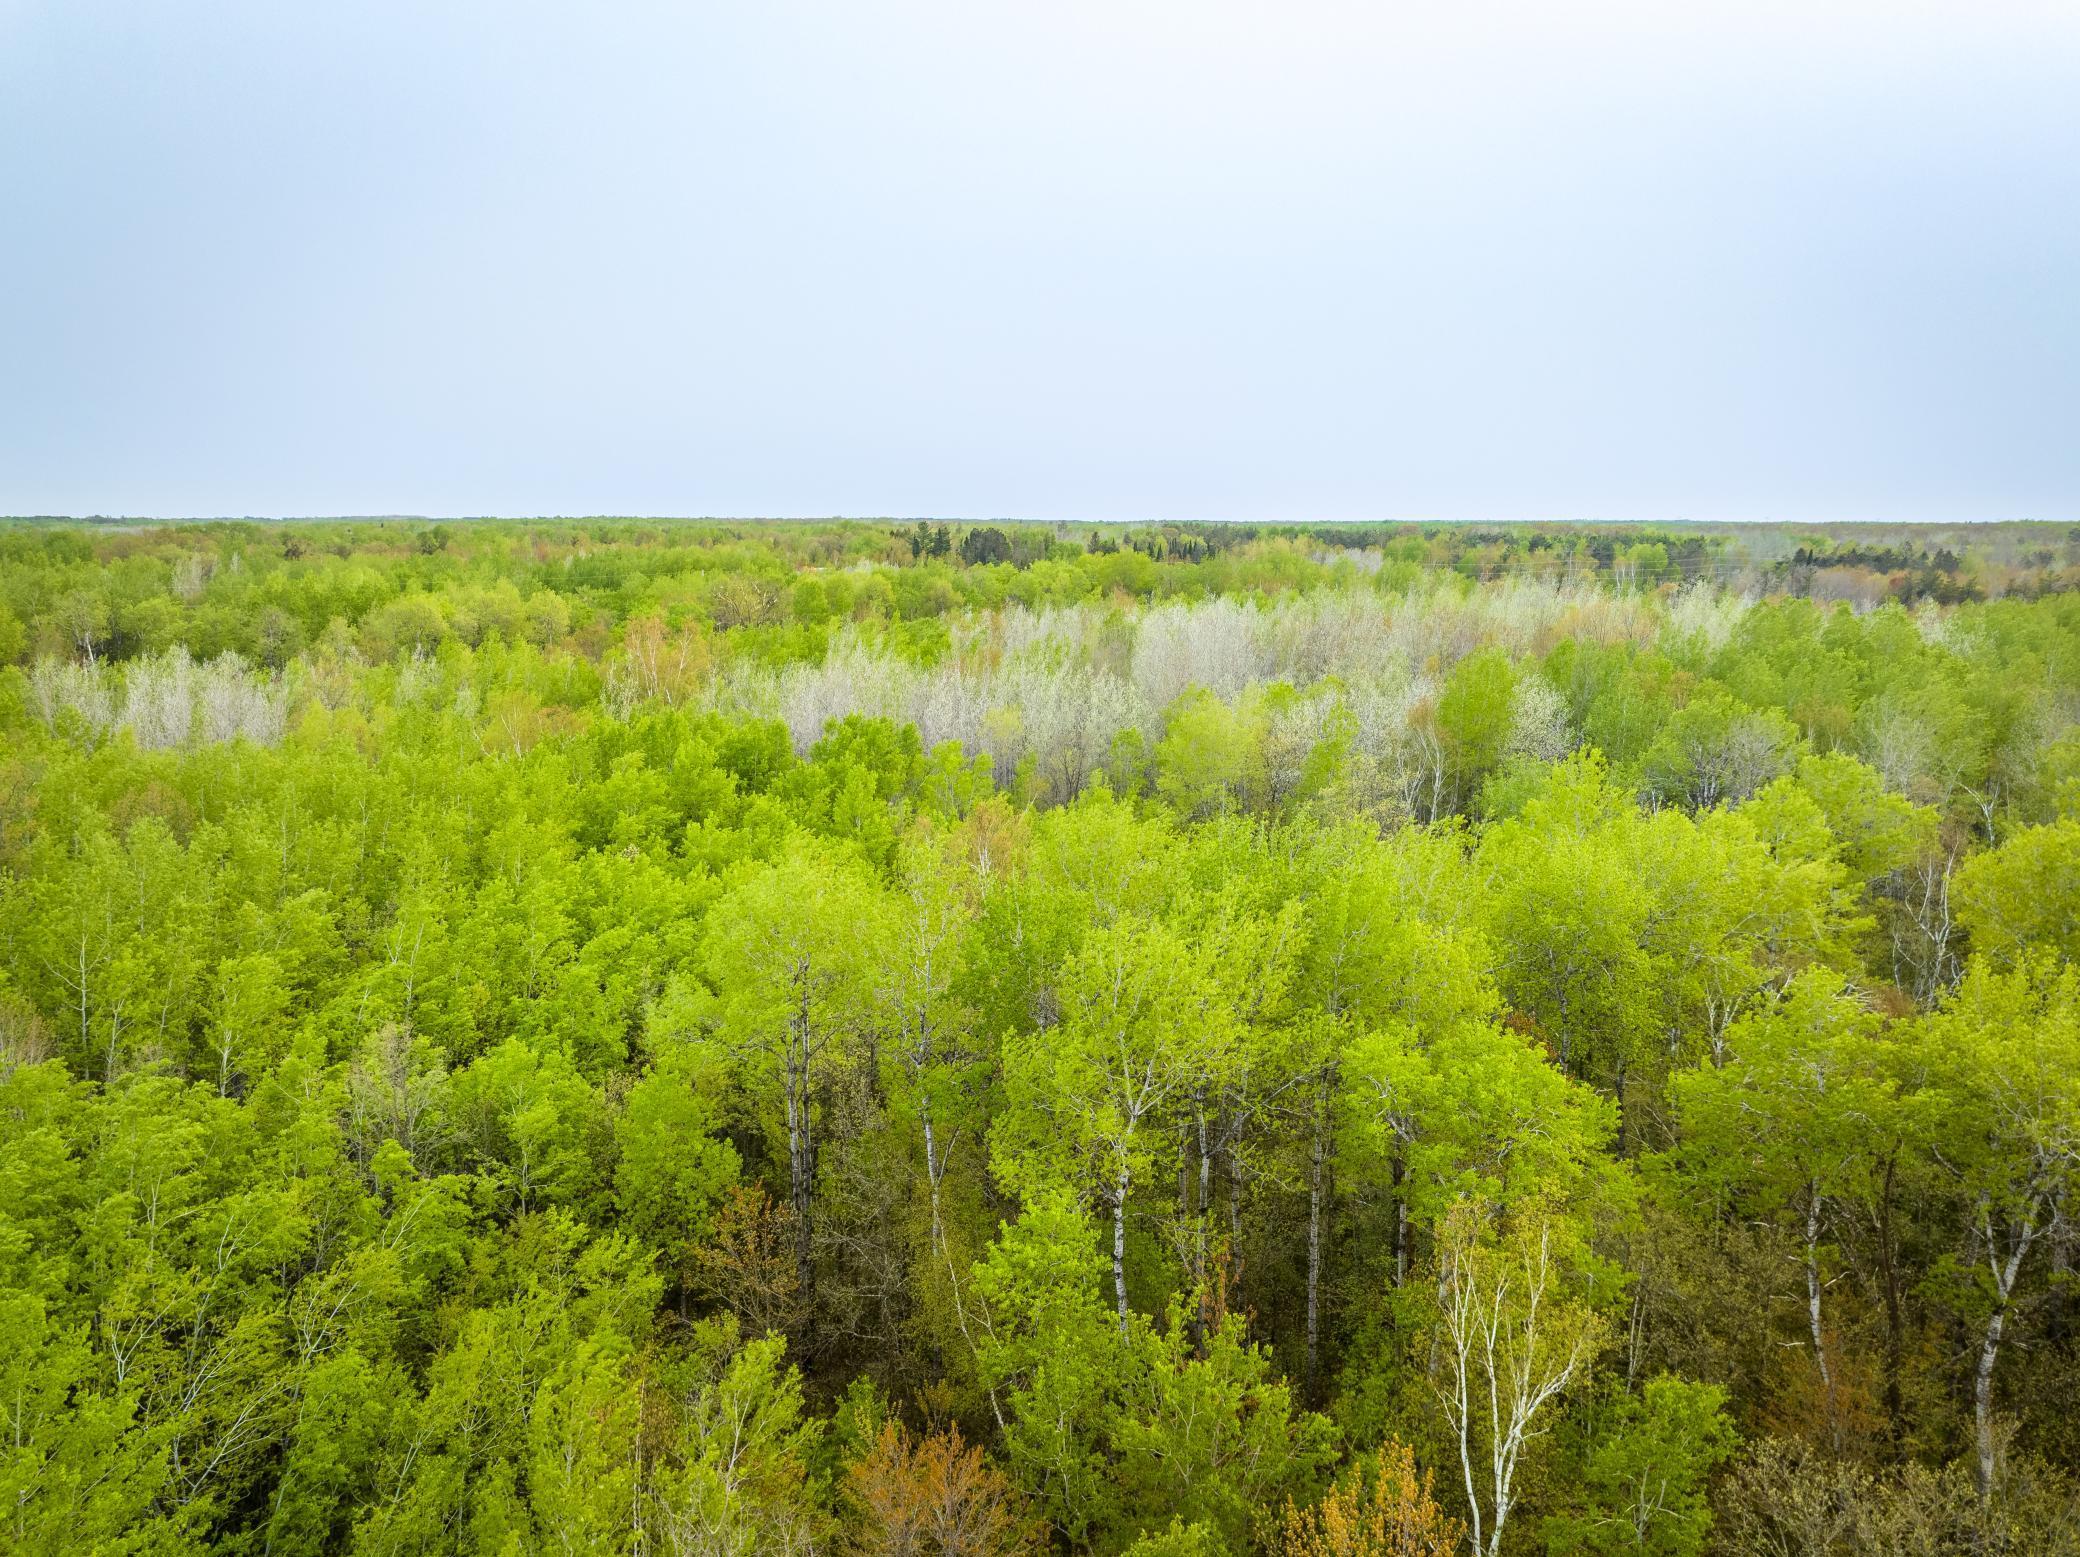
1119 1247
2004 1273
1316 1194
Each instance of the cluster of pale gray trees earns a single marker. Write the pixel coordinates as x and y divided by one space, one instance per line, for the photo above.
1069 692
163 700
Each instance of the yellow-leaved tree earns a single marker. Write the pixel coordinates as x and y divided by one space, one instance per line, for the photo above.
1379 1508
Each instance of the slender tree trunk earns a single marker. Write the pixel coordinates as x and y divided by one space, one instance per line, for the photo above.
1184 1172
934 1171
1202 1312
1398 1169
1119 1247
1234 1220
86 1039
1888 1275
1618 1089
2058 1320
2004 1273
1813 1311
1317 1194
931 1167
1205 1163
1982 1397
801 1152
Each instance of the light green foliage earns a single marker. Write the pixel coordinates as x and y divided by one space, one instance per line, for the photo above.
1210 1432
2024 894
1178 1540
1631 941
794 964
735 1476
1798 1105
1473 725
1144 1024
1118 1432
1645 1483
545 1037
77 1469
1797 1126
1211 756
1568 911
1388 932
2001 1061
533 1126
1876 831
2001 1066
1475 1111
1054 1352
1716 751
672 1168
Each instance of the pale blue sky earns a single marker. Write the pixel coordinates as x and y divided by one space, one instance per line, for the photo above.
1476 259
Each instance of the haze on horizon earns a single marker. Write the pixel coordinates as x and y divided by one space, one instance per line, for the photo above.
1083 261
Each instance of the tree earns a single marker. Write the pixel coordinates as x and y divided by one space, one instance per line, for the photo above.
1794 1124
985 544
1177 1539
1211 757
1054 1353
1567 913
79 1469
735 1476
1116 1429
2001 1062
932 1055
2024 894
1646 1478
747 1261
1510 1343
1474 1113
582 1460
1472 723
81 621
1206 1433
789 955
1378 1508
246 1018
1713 751
531 1124
673 1169
1373 959
439 1070
934 1497
658 664
1143 1022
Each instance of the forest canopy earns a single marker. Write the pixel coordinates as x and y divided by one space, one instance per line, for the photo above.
905 1038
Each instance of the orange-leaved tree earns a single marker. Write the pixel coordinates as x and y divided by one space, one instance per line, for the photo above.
935 1497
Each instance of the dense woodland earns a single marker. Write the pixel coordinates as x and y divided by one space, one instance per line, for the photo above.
909 1038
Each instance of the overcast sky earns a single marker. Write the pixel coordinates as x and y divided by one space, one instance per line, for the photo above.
1817 259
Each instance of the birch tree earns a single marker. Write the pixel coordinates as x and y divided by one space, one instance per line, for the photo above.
2002 1062
1791 1128
1509 1343
932 1055
1142 1023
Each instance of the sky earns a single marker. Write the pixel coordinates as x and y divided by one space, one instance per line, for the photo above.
1292 261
